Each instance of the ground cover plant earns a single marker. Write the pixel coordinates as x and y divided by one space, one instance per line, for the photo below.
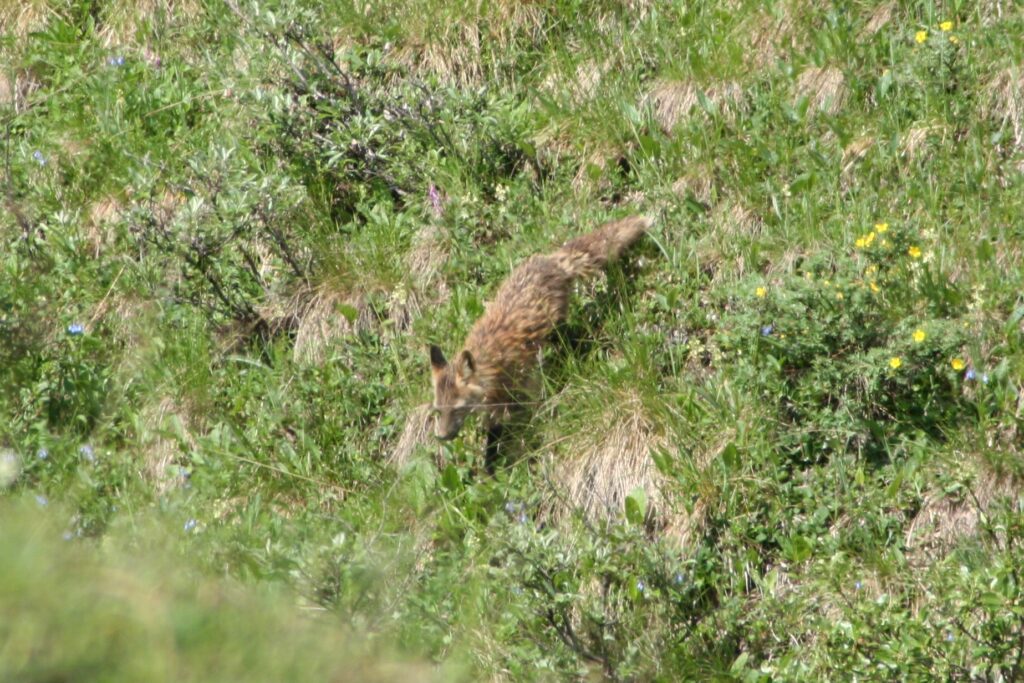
780 441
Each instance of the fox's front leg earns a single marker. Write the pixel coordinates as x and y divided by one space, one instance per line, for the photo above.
494 431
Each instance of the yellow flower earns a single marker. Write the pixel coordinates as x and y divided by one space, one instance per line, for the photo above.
871 269
761 292
946 26
870 238
809 275
954 40
881 227
958 364
915 252
921 36
919 336
874 288
839 295
885 243
860 243
895 362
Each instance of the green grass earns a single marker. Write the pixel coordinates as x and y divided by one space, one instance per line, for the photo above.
222 265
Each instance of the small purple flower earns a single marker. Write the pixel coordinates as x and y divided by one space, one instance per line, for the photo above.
679 578
767 330
76 329
42 454
857 585
949 637
38 156
87 453
969 375
640 585
190 525
42 500
115 61
435 200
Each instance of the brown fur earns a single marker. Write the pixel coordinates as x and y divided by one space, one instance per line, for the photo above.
496 366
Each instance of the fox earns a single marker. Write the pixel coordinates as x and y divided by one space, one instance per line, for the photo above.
497 365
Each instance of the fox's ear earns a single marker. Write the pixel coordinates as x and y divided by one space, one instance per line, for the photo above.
466 365
437 361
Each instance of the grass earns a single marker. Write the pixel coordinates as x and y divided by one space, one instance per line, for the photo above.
779 441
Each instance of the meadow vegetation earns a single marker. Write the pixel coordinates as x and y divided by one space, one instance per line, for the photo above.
780 441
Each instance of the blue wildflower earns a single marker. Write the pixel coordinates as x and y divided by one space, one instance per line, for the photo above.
76 329
858 585
42 500
87 453
949 637
115 61
38 156
984 378
969 375
679 578
767 330
640 585
190 525
511 507
42 454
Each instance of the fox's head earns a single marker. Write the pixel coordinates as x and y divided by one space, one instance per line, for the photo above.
455 392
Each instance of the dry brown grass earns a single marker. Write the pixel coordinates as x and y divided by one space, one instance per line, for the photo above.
586 179
163 426
16 87
697 183
914 140
581 85
879 18
594 472
824 87
854 153
719 249
126 23
674 100
769 35
943 521
995 11
320 319
457 46
100 225
19 18
1004 102
418 431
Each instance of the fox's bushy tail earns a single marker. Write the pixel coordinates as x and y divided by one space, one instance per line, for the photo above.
588 254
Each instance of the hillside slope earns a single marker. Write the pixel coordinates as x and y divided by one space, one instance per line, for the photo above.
781 440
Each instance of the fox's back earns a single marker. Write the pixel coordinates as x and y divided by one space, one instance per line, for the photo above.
525 309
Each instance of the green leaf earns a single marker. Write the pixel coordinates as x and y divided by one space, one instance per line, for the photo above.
884 84
350 312
636 506
740 663
730 457
707 105
451 479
